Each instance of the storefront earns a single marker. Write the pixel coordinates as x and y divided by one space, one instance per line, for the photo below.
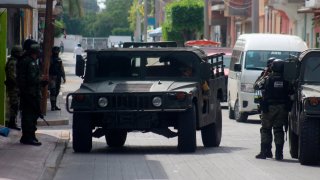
5 7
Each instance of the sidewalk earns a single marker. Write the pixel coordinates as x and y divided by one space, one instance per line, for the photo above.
26 162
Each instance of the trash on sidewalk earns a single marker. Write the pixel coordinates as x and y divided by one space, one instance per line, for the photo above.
4 131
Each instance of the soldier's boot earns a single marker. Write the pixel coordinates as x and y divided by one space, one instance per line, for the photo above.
262 154
54 106
268 151
279 151
12 124
57 108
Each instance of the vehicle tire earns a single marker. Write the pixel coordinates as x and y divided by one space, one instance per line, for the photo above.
231 112
116 137
293 142
81 132
211 134
239 116
187 141
309 141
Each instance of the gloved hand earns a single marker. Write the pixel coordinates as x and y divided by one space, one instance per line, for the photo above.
64 80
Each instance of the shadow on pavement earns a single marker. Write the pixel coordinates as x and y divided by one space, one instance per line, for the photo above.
157 149
253 121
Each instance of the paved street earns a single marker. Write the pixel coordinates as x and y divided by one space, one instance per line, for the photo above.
150 156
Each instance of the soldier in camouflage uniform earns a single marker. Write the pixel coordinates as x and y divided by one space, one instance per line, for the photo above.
56 73
29 86
275 110
12 88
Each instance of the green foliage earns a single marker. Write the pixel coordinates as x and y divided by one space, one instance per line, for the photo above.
58 28
74 8
135 7
122 32
100 24
184 18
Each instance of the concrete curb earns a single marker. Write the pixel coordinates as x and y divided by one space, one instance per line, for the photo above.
52 163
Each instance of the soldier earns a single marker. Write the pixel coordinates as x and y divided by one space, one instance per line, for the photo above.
12 88
259 92
56 72
275 110
28 78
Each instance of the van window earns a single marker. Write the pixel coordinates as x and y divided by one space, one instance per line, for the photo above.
257 60
235 58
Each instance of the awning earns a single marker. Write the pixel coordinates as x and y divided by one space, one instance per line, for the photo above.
156 32
202 42
18 3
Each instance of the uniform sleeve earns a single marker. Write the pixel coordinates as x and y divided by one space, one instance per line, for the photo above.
63 74
11 71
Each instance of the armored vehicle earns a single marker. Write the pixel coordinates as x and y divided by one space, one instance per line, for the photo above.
304 118
167 91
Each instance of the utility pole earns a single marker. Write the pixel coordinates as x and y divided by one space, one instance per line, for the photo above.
138 24
255 16
206 20
47 46
145 24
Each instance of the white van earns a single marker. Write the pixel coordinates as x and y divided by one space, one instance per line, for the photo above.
249 58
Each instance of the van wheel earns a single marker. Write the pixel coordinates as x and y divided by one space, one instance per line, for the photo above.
231 112
239 116
211 134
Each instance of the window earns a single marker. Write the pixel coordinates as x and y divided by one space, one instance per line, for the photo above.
312 69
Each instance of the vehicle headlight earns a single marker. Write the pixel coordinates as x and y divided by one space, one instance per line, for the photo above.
103 102
247 87
157 101
313 101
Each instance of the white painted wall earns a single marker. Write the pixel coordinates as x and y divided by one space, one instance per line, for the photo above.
69 43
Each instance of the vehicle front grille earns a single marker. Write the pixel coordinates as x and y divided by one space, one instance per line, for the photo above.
128 102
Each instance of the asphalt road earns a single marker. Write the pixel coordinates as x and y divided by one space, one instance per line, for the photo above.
150 156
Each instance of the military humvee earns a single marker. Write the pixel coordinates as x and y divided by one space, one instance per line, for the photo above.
147 90
304 118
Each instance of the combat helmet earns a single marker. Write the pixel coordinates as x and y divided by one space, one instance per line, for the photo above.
277 66
270 60
55 50
16 51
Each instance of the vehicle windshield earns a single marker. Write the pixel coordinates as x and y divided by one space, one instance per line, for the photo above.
159 66
312 70
257 60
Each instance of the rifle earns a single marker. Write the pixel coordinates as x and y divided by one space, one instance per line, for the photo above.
41 117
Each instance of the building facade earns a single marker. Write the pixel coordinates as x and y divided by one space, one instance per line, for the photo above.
230 18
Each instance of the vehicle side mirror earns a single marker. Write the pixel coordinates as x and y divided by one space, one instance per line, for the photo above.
290 71
80 64
205 70
237 67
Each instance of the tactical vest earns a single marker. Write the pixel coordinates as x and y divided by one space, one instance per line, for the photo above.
276 89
